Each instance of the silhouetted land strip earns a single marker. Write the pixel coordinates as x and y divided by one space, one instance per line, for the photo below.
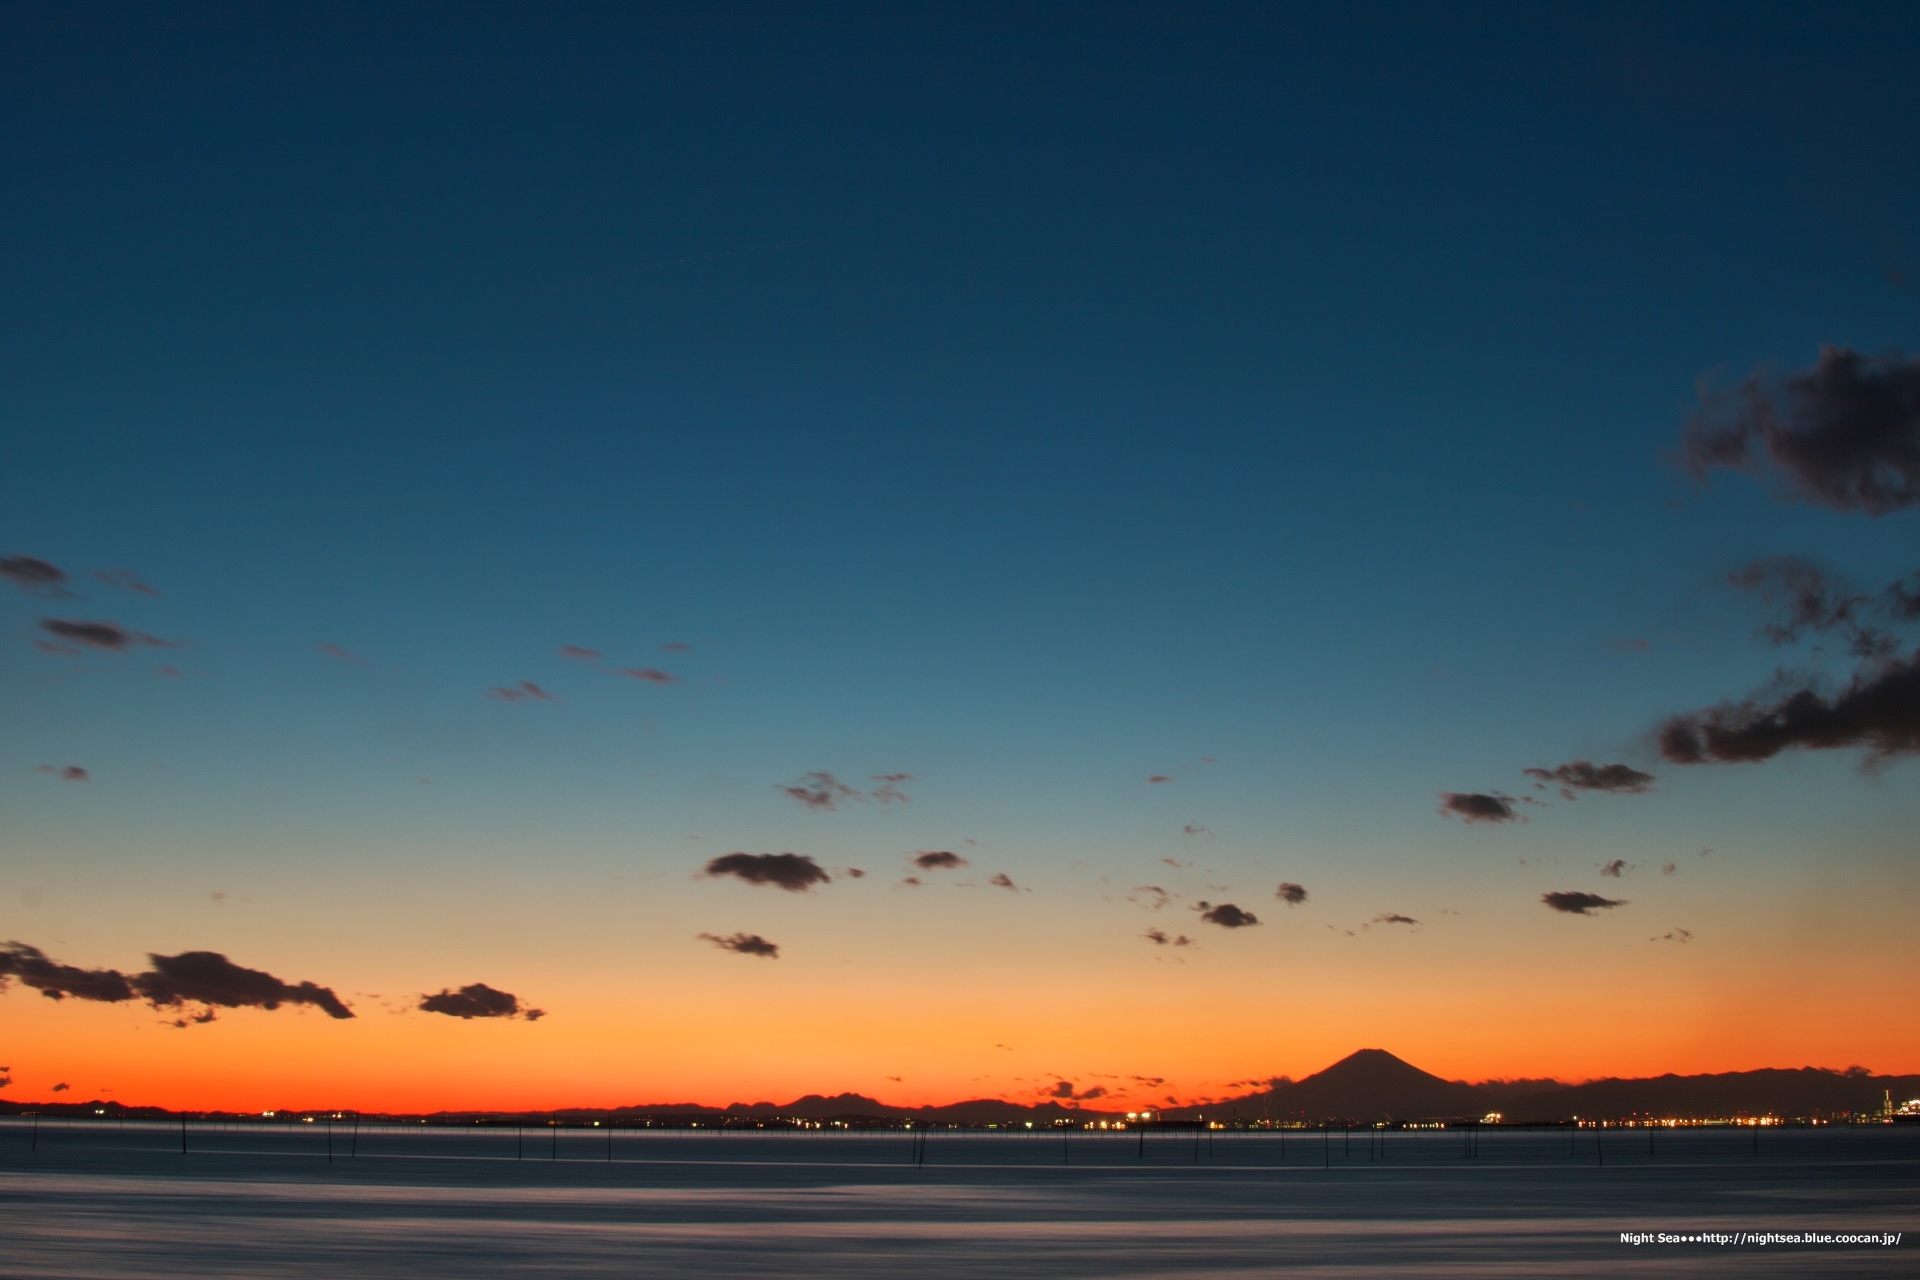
1371 1086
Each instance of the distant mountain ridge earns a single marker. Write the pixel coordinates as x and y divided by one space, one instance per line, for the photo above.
1367 1086
1373 1085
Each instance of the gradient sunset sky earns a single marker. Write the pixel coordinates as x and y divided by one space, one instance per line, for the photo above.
469 467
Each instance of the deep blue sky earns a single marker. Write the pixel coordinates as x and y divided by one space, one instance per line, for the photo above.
1029 398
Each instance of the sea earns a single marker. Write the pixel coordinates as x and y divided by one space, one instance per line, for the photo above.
114 1200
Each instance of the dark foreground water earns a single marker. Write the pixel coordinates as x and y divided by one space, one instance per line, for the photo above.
102 1200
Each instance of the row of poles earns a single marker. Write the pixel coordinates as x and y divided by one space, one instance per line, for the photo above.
1376 1142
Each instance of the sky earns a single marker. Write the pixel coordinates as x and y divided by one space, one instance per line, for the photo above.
526 526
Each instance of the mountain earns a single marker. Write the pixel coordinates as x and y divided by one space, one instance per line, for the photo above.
1365 1086
1374 1085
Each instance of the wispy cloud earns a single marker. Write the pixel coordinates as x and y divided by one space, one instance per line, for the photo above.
1150 896
1394 917
1878 712
938 860
1001 880
744 944
125 579
68 772
1809 599
1674 935
889 789
652 675
674 646
110 636
1844 434
578 653
820 790
1584 775
345 655
525 691
1159 778
1160 938
1290 893
478 1000
1226 915
1617 868
1578 903
794 872
32 574
1477 806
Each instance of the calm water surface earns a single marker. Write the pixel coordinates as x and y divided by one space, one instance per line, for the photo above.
101 1200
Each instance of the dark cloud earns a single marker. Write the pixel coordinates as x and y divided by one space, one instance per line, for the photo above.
1584 775
479 1001
209 978
1879 711
1901 600
1844 434
110 636
31 968
525 691
652 675
1227 916
855 872
794 872
937 860
1674 935
1061 1090
911 882
69 772
889 789
578 654
1160 777
1290 893
1475 806
1616 868
125 579
1574 902
205 978
745 944
1393 917
30 573
62 1087
1098 1091
819 790
1160 938
1001 880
